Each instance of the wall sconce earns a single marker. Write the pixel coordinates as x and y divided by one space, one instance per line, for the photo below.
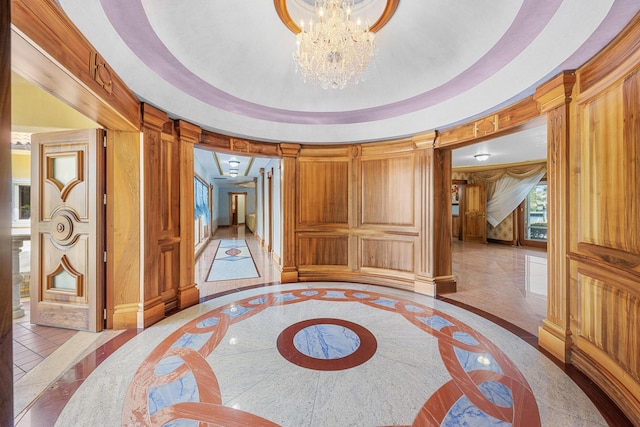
482 157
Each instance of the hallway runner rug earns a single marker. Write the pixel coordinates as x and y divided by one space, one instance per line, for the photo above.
233 261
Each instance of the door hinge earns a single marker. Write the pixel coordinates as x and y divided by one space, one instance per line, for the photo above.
104 199
104 140
105 256
105 314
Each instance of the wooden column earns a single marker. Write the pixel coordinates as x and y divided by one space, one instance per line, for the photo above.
262 207
554 98
289 271
6 323
434 274
188 135
123 233
160 203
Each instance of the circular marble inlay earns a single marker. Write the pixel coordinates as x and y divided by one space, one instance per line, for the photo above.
326 341
326 344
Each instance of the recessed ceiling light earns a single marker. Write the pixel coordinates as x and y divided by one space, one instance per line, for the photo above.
482 157
234 163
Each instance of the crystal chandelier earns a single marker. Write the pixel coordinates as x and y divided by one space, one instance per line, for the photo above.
335 51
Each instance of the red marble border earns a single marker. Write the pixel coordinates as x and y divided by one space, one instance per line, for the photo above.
368 346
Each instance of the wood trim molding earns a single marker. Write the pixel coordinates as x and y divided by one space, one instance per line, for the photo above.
556 92
6 321
49 50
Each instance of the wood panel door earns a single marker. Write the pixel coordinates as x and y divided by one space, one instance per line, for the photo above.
67 229
474 220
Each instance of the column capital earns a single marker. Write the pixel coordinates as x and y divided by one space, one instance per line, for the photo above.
425 140
556 92
289 150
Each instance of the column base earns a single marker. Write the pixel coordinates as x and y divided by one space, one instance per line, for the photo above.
556 341
152 312
188 295
433 286
289 275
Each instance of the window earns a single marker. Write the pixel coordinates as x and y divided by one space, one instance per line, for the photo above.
21 203
535 218
24 202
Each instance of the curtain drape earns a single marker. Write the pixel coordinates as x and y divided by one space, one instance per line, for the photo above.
201 200
508 187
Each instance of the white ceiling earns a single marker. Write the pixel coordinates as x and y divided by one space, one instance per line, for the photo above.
227 66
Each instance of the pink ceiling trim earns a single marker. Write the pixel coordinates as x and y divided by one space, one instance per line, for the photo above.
130 21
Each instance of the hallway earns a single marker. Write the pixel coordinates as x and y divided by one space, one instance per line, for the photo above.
514 274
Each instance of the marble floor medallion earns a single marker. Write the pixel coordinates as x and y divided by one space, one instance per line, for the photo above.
328 355
326 344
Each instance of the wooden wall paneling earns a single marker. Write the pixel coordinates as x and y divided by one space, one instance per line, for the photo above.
169 238
289 154
153 306
387 187
553 98
187 136
395 254
50 51
434 274
123 229
322 250
6 321
604 246
229 144
322 192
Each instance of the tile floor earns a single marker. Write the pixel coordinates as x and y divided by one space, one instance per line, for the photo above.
511 295
32 343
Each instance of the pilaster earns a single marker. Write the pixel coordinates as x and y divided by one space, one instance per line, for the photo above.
188 135
434 272
289 271
554 98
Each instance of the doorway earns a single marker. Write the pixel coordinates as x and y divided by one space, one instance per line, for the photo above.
237 209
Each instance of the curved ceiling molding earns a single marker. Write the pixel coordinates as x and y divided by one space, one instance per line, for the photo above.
440 62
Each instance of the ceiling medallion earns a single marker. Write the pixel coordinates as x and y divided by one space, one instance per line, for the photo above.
334 51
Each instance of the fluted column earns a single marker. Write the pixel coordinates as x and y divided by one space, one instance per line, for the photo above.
288 189
553 99
434 272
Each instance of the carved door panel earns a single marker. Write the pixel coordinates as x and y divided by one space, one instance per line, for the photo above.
474 220
67 285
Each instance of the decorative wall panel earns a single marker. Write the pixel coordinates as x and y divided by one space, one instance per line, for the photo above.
388 254
388 191
323 188
323 250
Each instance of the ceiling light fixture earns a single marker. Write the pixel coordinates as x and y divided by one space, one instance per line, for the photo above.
335 51
234 163
482 157
233 172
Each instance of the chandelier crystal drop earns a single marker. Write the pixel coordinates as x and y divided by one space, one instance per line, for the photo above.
335 51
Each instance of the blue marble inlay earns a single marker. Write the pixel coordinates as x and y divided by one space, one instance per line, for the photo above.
436 322
258 301
182 423
497 393
386 302
309 293
465 413
232 258
471 361
326 341
183 390
236 310
168 364
360 295
209 321
285 297
465 338
414 308
192 341
335 294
